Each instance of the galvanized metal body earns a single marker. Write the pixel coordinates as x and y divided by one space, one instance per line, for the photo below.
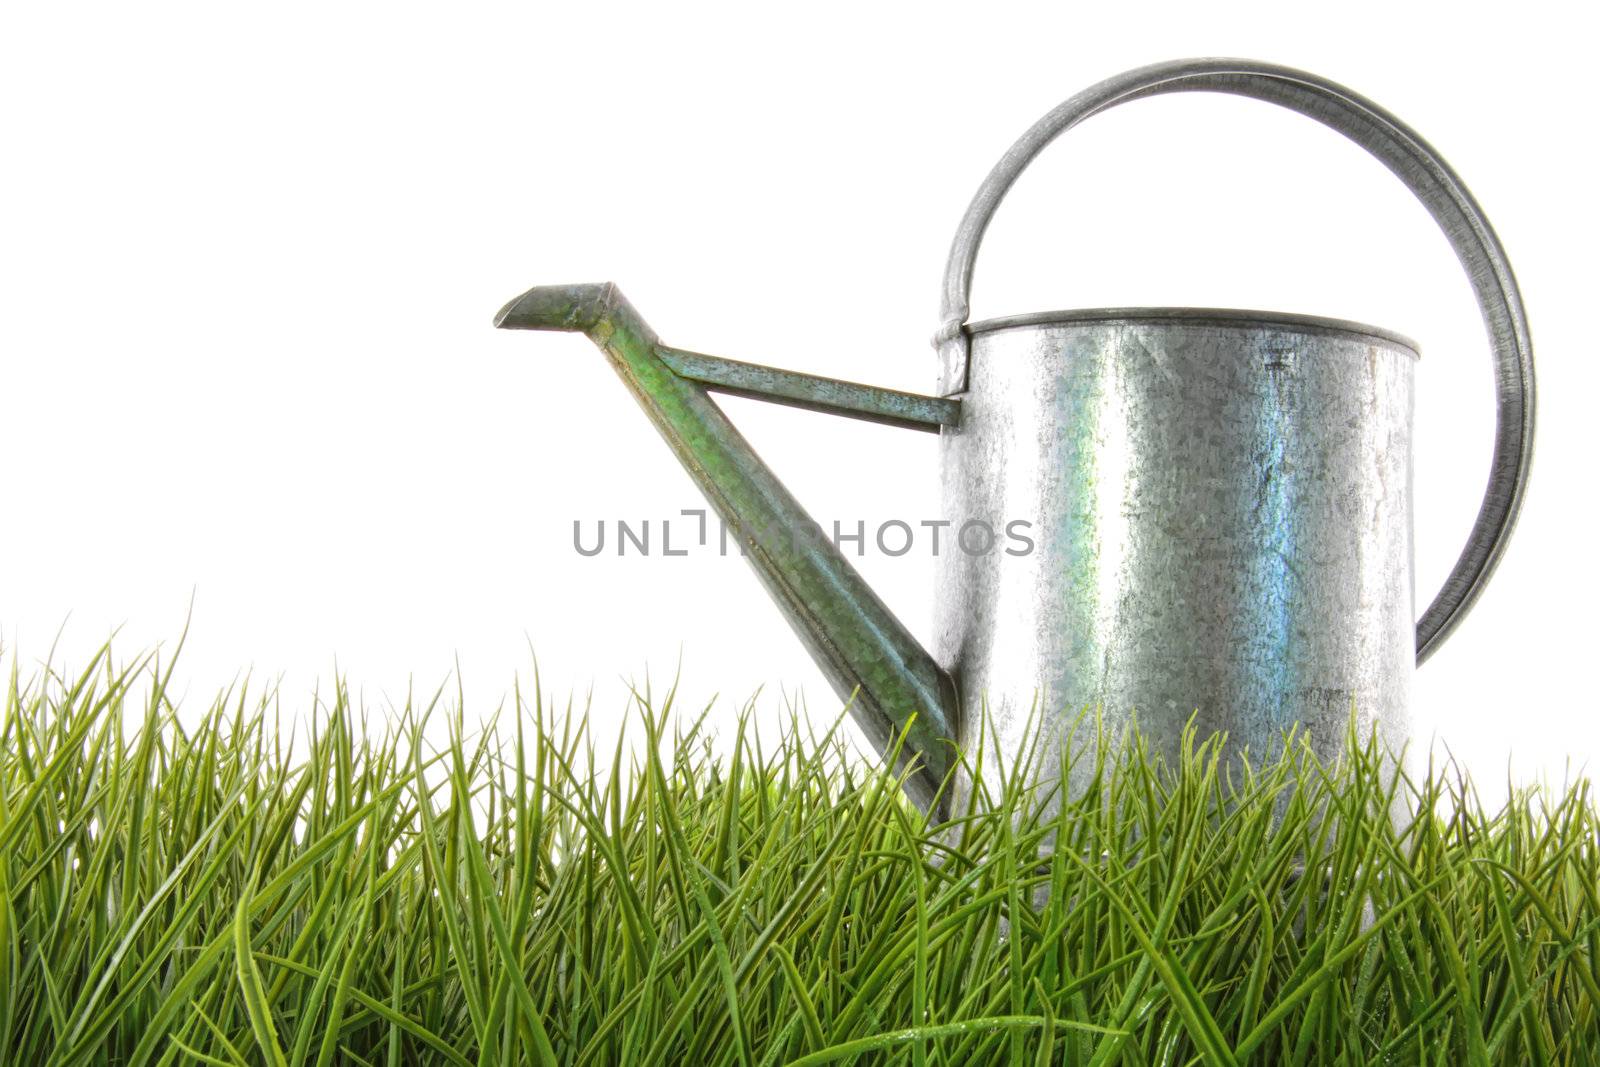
1221 510
1418 166
1221 501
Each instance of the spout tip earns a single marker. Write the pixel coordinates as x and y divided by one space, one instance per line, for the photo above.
502 316
510 318
557 307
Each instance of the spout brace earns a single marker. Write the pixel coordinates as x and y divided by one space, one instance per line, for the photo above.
870 658
869 403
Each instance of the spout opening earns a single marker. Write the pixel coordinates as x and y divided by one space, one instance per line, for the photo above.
559 307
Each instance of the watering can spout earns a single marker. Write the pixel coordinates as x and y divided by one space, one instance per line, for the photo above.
894 686
576 308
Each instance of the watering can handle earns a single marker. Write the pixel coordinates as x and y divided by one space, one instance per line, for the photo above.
1415 163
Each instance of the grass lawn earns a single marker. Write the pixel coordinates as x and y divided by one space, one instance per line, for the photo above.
195 889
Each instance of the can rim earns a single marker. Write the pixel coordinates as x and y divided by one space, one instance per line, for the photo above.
1239 317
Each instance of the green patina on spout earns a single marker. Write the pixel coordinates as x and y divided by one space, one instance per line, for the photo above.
865 652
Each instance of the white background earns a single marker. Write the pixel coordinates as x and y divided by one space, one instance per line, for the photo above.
249 256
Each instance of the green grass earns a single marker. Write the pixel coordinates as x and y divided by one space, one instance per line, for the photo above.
199 888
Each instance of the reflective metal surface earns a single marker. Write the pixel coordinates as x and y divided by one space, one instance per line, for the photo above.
1222 516
1409 158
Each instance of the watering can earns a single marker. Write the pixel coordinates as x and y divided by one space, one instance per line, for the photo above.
1220 500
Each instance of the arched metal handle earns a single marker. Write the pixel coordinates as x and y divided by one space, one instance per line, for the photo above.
1416 164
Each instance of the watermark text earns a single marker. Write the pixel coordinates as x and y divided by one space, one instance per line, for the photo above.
694 530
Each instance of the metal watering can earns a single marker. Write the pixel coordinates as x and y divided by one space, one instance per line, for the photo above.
1221 500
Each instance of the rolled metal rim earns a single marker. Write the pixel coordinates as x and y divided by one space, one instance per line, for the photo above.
1237 317
1429 178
